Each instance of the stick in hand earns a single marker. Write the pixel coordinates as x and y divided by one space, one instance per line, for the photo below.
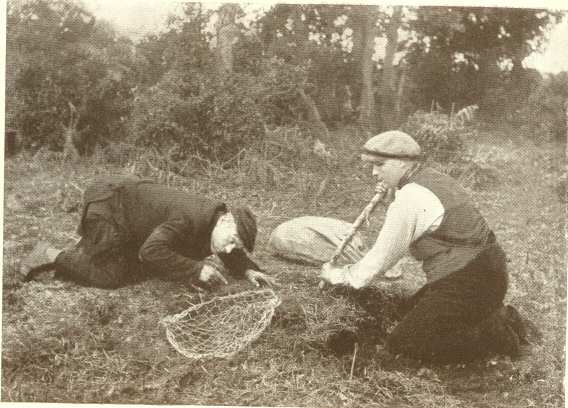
381 191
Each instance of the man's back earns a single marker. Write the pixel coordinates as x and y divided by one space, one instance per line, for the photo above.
147 205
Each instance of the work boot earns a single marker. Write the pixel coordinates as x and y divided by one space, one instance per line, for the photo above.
36 261
500 336
526 330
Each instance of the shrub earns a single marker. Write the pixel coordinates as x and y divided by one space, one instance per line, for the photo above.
443 141
189 113
440 136
197 114
58 55
543 115
280 81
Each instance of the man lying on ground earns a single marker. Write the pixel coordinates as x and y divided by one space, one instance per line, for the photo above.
133 229
459 314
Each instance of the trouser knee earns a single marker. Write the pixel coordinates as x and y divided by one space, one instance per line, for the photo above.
401 341
74 265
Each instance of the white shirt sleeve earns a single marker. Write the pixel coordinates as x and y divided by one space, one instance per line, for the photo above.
414 211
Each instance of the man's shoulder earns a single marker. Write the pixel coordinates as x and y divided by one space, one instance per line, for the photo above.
435 177
414 191
417 198
103 187
180 202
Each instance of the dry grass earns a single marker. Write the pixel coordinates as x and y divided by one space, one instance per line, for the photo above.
65 343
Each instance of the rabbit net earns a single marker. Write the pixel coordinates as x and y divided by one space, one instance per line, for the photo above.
222 326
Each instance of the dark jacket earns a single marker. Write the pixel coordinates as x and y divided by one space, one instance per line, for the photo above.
170 230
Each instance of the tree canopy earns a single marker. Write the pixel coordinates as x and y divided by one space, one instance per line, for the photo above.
210 82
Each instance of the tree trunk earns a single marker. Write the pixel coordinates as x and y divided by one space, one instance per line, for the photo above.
387 85
400 94
489 78
368 29
346 106
314 118
70 134
328 102
227 36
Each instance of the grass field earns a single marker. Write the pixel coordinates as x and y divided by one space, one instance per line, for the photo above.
66 343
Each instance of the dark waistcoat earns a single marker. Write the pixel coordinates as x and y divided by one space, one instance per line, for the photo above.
461 236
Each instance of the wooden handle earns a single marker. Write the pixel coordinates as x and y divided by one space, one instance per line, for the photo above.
357 224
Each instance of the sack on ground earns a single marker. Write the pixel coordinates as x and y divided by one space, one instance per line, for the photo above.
313 240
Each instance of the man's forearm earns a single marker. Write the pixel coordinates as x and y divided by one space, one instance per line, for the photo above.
237 262
157 254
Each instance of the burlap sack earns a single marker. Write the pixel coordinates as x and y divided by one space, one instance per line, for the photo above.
313 240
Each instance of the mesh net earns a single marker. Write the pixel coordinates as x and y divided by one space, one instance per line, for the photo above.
221 326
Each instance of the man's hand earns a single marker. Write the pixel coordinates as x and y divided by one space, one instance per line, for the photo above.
381 188
211 276
393 274
257 278
332 274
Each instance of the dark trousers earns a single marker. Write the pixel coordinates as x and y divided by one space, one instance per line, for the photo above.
459 317
100 258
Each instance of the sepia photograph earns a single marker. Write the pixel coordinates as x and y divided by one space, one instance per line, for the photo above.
269 204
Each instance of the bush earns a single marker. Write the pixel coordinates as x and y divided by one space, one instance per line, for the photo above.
544 114
443 142
213 116
441 137
198 114
58 55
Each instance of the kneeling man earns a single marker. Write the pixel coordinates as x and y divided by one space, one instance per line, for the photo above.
459 314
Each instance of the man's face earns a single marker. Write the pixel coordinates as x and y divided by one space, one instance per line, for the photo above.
225 237
389 171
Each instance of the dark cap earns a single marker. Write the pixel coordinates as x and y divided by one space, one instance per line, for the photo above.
246 226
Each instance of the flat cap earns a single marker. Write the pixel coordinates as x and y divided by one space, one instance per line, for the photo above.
392 144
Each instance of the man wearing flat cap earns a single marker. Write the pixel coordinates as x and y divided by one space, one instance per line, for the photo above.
459 314
133 229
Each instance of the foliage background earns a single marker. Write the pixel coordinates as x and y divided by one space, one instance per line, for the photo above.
304 65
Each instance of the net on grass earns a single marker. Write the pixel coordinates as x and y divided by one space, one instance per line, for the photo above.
221 326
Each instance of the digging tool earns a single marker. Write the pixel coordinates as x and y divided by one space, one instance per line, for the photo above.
381 190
